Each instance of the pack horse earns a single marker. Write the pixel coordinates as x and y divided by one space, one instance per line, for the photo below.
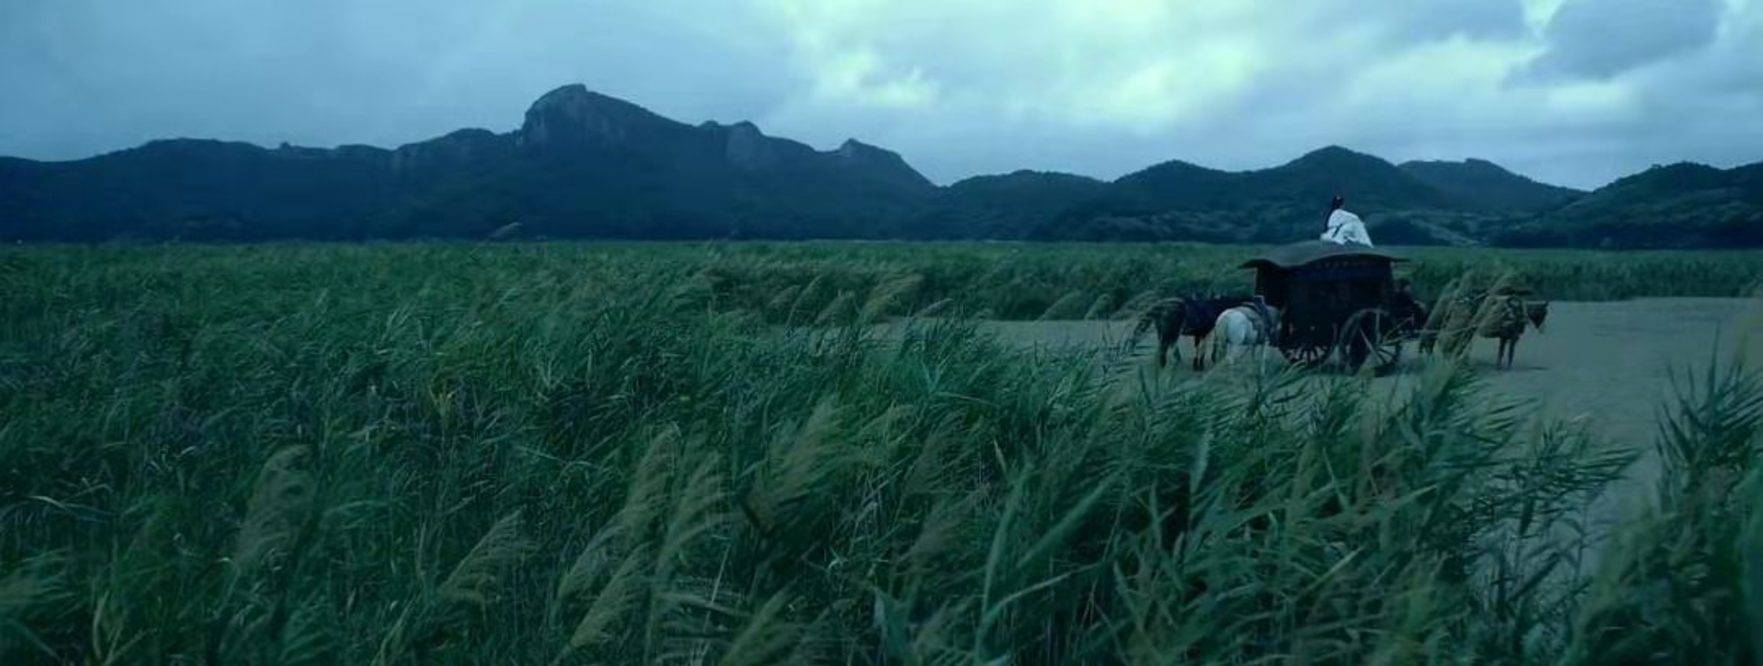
1500 314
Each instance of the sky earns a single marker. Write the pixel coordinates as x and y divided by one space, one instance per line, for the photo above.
1575 92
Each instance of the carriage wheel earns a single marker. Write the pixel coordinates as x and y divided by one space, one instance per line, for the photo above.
1305 355
1369 336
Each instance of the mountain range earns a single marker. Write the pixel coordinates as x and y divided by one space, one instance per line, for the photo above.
586 165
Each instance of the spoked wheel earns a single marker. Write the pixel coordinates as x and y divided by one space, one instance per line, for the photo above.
1305 355
1369 336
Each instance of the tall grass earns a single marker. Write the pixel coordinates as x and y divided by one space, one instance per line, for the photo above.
795 281
1068 281
422 454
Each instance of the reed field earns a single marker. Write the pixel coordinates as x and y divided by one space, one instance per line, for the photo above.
654 453
1074 281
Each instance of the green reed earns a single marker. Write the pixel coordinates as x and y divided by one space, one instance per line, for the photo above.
584 453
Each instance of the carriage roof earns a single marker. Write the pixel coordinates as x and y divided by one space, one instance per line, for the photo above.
1299 255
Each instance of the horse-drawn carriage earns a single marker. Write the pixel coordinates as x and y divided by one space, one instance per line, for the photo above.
1337 301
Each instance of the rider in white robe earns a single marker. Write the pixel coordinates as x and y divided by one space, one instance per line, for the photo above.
1344 227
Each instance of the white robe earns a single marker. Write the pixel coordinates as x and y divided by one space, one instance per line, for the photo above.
1346 228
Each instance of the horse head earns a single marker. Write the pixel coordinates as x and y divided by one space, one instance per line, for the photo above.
1537 313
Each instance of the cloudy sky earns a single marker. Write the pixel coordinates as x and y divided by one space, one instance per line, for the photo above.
1570 91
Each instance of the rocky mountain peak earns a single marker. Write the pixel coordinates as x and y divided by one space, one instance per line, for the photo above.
748 148
879 162
573 115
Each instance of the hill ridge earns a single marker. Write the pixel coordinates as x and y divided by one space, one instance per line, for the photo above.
586 164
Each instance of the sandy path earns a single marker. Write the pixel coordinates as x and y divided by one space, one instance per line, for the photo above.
1609 362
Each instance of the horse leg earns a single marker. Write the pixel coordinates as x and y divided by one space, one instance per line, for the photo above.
1199 353
1512 354
1162 352
1223 349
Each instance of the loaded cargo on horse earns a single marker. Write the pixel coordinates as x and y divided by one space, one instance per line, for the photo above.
1500 312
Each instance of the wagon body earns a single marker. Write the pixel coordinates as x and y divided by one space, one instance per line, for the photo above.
1332 299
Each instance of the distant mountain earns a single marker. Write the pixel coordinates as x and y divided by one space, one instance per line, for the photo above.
1179 200
585 165
1309 181
581 165
1011 205
1482 185
1682 205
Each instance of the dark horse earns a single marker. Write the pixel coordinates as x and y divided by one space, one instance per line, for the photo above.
1192 316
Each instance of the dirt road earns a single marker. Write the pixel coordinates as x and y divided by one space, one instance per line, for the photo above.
1610 362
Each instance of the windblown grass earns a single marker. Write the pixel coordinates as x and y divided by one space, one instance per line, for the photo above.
1040 281
422 454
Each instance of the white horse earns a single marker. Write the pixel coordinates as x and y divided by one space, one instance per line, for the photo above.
1242 327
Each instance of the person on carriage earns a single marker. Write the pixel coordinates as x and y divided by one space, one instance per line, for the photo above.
1345 228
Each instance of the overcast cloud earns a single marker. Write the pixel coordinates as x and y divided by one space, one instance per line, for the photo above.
1570 91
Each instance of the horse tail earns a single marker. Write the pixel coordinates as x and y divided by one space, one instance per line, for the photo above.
1219 339
1214 347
